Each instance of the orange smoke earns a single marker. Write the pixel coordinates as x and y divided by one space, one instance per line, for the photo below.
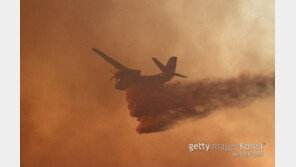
71 116
158 107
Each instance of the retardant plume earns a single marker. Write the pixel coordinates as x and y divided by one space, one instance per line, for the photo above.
158 107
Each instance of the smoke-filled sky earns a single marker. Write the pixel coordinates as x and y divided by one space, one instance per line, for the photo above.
72 116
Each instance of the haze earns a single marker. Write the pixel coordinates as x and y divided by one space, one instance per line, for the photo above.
72 116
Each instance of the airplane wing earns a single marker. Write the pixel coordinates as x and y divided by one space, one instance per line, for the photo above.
180 75
159 64
110 60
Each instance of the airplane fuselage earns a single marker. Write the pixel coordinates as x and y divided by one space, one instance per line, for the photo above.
127 81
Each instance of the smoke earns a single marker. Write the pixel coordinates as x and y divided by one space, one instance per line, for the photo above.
72 116
158 107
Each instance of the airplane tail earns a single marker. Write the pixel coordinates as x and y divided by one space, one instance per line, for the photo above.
170 67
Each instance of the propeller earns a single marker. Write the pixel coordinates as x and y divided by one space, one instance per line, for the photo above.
113 75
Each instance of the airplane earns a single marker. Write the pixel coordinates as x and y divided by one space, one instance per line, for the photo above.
125 77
